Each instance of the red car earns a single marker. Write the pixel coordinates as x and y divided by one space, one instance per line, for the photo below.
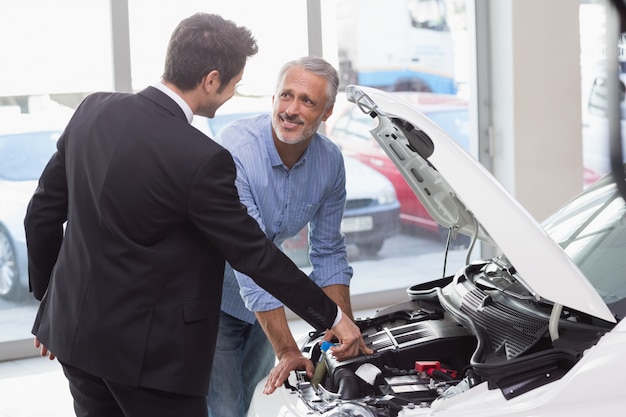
349 128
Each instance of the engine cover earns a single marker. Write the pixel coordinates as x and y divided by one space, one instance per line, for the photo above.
401 342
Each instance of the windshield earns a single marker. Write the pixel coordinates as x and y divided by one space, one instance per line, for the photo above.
592 231
24 156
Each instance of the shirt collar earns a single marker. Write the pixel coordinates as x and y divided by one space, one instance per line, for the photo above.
178 99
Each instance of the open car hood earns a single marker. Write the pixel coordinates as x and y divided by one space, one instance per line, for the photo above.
460 194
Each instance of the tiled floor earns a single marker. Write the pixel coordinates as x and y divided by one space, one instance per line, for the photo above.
34 387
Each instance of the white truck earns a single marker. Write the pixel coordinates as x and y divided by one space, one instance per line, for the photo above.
396 45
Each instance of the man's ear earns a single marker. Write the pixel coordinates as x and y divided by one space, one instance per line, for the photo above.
212 81
328 112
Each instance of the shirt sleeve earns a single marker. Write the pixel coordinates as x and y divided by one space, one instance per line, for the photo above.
328 249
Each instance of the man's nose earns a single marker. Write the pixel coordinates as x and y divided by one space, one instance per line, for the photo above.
292 108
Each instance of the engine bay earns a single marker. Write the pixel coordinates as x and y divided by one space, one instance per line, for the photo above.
450 335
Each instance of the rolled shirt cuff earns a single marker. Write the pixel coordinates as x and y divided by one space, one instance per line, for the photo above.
338 317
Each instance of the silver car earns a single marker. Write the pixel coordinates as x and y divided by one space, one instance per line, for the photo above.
26 144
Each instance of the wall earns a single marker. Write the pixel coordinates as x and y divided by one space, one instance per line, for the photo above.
534 101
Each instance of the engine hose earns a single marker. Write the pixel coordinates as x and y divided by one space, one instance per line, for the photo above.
320 372
437 373
347 384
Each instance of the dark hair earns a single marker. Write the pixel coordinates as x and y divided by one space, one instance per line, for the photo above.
317 66
205 42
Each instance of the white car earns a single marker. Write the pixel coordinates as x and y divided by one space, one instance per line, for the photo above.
534 331
26 144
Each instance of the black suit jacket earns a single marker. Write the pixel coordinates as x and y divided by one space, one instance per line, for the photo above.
131 291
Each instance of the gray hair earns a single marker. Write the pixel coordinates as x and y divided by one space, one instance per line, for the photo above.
317 66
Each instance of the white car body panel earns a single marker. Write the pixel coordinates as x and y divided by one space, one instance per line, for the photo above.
603 364
453 185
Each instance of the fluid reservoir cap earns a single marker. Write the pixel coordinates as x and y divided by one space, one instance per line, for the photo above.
326 345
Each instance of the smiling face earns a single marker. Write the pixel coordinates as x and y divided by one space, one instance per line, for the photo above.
299 106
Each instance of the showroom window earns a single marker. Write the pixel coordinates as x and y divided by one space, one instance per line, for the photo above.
53 54
61 51
594 86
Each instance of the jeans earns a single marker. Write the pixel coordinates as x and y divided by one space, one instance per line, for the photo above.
243 356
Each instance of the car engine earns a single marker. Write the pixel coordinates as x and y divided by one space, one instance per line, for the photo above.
418 356
449 336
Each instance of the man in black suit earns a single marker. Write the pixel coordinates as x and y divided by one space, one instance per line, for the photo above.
130 289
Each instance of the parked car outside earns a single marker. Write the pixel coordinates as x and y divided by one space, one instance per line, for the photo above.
596 143
372 209
527 332
372 213
350 128
26 144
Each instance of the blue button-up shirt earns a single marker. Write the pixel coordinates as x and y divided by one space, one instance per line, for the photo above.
284 201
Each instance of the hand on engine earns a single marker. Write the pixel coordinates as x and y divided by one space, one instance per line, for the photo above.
289 361
350 342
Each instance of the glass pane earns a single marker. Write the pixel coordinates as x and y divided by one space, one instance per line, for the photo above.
58 52
54 54
279 39
594 100
418 50
51 69
399 46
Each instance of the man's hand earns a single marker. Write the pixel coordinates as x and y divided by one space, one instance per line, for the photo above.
329 336
275 326
289 361
340 294
43 351
350 341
